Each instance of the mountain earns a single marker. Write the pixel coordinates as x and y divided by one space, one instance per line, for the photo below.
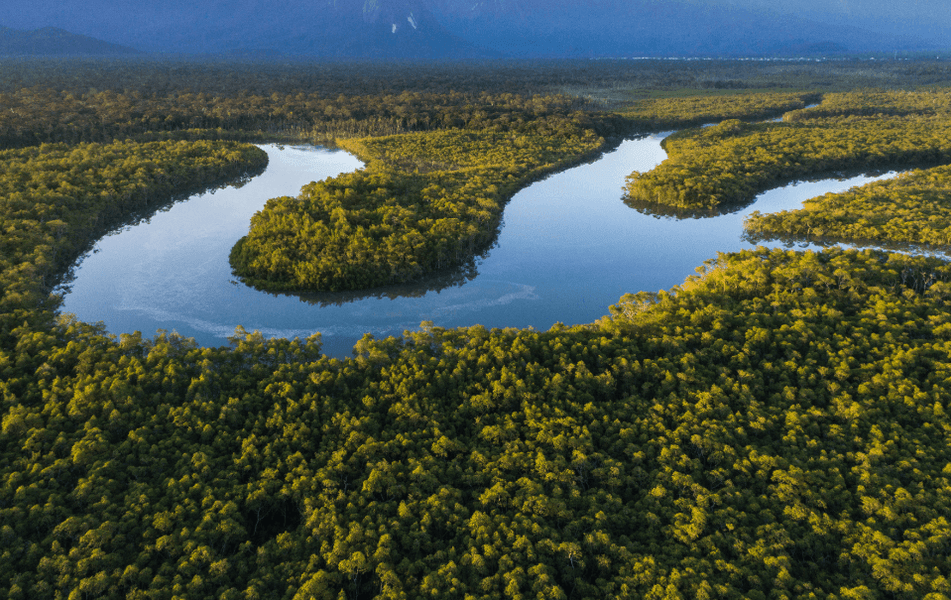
447 29
52 41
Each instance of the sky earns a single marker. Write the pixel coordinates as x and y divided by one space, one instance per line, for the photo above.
197 25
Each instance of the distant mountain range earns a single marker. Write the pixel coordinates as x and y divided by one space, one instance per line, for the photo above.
52 41
447 29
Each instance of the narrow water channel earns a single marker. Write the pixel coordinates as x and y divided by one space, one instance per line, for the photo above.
568 249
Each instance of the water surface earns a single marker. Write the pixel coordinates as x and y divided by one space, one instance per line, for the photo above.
569 248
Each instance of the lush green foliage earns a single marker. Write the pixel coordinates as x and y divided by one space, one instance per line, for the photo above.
912 209
731 162
776 428
57 199
612 80
425 202
931 102
915 208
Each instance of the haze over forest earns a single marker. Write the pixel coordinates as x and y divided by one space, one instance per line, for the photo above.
447 29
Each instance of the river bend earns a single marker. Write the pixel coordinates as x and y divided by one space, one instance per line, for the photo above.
569 247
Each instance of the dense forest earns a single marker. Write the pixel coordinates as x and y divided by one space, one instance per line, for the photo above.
58 199
775 427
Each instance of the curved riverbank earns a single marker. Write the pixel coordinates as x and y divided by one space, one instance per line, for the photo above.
568 249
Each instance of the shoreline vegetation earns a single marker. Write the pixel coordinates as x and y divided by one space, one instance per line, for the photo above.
58 199
775 427
914 208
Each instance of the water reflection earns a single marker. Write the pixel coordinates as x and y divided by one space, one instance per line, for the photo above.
437 282
804 241
663 211
144 215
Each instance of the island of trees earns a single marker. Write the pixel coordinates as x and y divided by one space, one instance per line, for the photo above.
775 427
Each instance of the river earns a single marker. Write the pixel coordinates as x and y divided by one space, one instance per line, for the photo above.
568 248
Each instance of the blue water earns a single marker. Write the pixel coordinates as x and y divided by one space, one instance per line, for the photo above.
569 248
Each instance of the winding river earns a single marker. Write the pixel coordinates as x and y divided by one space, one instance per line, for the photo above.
569 247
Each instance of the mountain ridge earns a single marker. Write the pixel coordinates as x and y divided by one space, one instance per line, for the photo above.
54 41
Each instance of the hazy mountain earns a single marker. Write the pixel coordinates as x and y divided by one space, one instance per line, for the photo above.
327 28
50 41
471 28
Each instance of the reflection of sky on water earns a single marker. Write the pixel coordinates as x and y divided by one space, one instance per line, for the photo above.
569 248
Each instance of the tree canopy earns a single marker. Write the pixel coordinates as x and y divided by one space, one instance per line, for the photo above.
775 427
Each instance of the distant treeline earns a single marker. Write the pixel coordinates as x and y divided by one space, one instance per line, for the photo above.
655 114
41 115
604 78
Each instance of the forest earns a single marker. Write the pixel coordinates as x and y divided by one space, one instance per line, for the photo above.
386 224
775 427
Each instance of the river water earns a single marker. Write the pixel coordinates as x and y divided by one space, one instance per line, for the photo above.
569 247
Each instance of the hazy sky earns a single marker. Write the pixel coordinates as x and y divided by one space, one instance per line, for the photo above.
938 9
37 13
187 23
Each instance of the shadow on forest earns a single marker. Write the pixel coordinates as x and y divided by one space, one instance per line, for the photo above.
270 519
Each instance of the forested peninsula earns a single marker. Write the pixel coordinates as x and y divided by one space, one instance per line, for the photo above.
424 203
729 163
774 427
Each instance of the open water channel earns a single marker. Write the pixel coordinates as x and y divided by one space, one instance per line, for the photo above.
569 247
